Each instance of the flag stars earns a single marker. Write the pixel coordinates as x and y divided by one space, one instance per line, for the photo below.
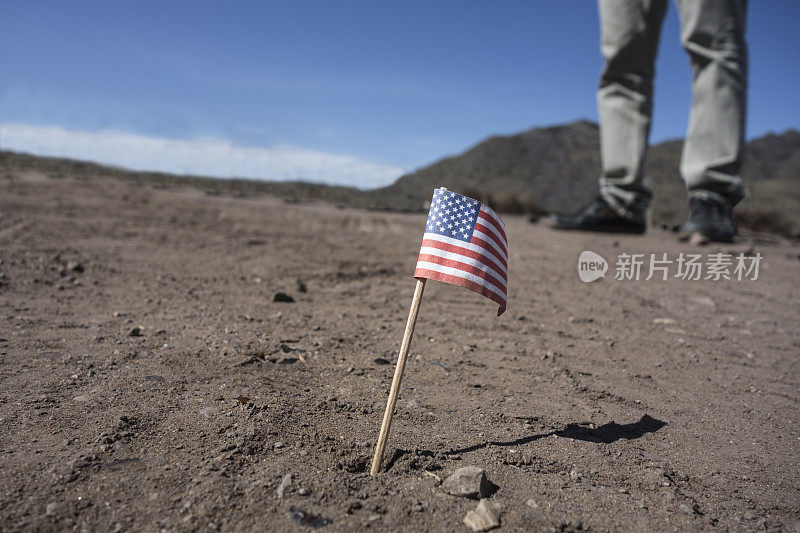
452 215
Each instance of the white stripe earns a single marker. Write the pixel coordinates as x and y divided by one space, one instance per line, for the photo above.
468 245
496 237
489 211
463 259
463 275
490 240
489 225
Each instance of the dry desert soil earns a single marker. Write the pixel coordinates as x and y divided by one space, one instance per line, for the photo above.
150 381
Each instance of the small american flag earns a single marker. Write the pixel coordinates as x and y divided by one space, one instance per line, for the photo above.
465 244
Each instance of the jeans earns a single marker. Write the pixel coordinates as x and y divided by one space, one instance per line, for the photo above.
712 33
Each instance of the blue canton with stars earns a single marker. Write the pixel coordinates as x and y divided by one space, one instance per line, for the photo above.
452 215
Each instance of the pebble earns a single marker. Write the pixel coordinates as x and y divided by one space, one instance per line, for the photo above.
282 297
277 445
286 482
467 482
135 332
301 286
55 508
532 504
484 517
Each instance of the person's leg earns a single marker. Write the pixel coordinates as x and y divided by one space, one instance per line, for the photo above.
712 32
630 31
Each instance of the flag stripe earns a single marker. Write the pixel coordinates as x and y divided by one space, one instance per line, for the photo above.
494 221
428 247
484 273
490 223
492 237
481 240
489 211
467 284
425 265
482 250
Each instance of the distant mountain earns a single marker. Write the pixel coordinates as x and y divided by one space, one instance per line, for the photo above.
555 169
542 170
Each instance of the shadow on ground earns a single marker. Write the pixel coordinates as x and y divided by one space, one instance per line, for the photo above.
606 434
611 432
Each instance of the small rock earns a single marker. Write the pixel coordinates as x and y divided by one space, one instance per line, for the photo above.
686 509
574 475
135 332
74 266
532 504
286 482
301 286
468 482
56 508
277 445
307 519
483 518
302 492
703 301
282 297
381 361
353 506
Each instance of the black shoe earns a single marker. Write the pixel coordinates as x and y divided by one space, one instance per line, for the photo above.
711 220
598 216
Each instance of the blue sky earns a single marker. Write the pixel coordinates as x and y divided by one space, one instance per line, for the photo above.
338 91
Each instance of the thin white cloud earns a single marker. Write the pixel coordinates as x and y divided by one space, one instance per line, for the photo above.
204 157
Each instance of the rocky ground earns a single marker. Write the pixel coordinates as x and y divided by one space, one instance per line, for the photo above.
150 380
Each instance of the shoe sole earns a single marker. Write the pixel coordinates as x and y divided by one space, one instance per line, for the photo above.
628 231
695 238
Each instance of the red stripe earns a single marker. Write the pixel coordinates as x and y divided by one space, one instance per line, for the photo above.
466 267
498 242
467 284
483 244
466 252
486 216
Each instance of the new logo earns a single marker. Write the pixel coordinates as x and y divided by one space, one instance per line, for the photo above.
591 266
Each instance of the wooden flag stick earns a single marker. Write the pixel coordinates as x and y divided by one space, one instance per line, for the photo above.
398 377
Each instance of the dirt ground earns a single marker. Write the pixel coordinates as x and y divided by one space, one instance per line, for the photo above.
150 381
